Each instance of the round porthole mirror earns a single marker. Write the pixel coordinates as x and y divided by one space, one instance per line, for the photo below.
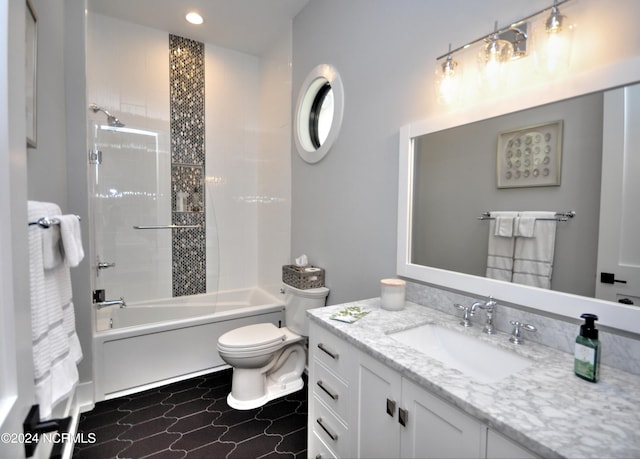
318 113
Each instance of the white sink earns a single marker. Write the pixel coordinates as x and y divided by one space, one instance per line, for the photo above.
477 359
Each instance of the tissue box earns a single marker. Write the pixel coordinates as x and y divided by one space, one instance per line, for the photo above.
303 278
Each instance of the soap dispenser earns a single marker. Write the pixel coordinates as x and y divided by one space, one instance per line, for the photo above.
587 352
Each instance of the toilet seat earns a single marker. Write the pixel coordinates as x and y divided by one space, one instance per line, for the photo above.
252 338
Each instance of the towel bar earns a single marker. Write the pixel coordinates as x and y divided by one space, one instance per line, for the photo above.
560 216
46 222
141 227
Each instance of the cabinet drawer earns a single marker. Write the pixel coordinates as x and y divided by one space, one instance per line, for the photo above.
318 450
331 390
329 428
331 351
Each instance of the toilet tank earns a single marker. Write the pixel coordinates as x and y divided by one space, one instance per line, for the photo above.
297 302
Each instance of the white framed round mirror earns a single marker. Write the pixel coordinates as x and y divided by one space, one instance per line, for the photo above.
318 115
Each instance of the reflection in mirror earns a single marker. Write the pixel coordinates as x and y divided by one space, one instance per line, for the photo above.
455 182
321 116
620 166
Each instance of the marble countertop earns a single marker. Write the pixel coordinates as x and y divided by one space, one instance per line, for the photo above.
545 407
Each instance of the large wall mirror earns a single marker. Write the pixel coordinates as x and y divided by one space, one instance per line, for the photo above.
448 178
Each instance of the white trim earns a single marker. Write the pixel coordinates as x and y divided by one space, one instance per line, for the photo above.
320 75
610 314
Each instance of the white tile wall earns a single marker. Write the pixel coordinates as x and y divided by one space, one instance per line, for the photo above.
274 166
247 144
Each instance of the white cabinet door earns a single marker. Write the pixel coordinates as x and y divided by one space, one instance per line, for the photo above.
397 418
619 245
436 429
379 392
499 447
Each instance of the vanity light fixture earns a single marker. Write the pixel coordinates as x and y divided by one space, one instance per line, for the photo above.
555 44
501 47
194 18
494 58
448 79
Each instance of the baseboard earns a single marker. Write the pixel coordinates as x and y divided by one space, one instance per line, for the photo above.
164 382
67 408
84 396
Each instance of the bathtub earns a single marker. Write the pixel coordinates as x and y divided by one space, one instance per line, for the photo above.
151 343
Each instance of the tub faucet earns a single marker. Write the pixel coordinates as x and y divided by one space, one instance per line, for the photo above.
104 304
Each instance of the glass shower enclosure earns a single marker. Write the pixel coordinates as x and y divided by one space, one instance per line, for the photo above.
141 238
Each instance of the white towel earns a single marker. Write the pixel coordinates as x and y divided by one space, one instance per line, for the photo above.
51 248
71 239
504 223
56 348
525 224
500 248
533 256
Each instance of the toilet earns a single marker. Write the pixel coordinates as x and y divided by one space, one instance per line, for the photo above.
268 361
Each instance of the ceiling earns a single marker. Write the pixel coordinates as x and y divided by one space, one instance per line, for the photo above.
249 26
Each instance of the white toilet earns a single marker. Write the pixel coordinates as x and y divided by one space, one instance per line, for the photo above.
268 361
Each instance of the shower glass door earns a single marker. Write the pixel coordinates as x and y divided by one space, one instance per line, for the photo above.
131 170
145 247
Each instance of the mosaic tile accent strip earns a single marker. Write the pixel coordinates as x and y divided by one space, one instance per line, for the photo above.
191 419
187 110
189 263
186 77
188 180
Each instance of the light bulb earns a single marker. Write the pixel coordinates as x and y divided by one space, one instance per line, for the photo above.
447 81
194 18
553 44
493 60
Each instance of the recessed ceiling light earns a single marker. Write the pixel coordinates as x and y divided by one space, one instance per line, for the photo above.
194 18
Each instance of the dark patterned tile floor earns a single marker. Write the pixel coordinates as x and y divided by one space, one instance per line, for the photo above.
191 419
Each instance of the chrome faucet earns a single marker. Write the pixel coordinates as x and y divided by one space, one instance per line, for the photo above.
516 334
490 307
468 312
104 304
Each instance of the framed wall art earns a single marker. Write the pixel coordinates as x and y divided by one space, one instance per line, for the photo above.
530 156
31 52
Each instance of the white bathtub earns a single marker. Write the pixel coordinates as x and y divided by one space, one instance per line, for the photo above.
153 342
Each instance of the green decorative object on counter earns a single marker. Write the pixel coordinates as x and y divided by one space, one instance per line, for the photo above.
587 351
350 314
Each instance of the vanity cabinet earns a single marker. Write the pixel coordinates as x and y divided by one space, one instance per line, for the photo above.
397 418
331 408
360 407
499 447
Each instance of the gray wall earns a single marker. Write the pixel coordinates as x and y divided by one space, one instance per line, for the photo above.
344 208
456 171
57 168
47 163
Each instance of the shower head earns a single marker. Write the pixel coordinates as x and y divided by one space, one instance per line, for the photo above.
112 120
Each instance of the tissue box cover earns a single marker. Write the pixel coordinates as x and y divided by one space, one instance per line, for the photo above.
303 278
